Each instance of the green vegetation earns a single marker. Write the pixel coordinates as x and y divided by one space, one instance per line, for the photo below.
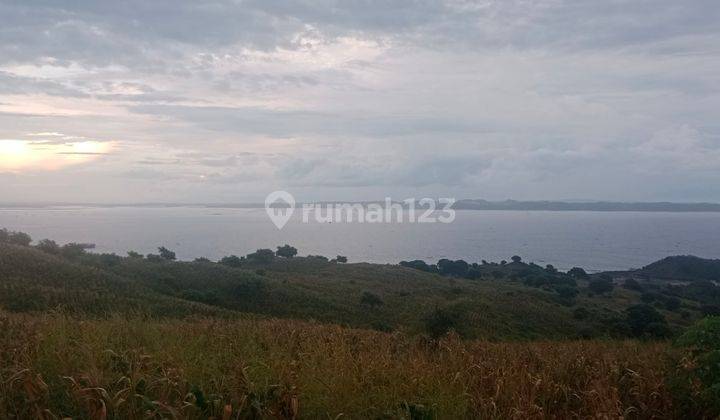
646 321
697 379
272 334
286 251
14 238
601 285
515 300
683 267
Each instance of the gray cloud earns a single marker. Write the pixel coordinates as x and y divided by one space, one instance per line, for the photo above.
18 85
214 100
287 123
132 32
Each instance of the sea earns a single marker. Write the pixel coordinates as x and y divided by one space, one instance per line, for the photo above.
595 241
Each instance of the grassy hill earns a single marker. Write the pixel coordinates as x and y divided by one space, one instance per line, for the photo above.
86 335
683 268
499 301
32 280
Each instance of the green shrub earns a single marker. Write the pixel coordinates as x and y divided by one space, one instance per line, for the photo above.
581 313
14 238
646 321
75 250
49 246
381 326
443 320
566 294
262 256
632 284
601 285
578 273
166 254
154 258
371 299
696 380
419 265
231 261
286 251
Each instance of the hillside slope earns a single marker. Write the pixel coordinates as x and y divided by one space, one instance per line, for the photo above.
516 300
684 268
31 280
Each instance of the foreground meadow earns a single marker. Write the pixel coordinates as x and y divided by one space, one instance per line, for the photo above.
53 366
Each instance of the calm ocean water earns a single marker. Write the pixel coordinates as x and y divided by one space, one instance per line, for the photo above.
593 240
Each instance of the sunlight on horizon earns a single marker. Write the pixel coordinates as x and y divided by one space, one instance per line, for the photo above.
19 155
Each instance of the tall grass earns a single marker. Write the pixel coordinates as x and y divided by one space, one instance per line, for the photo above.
52 366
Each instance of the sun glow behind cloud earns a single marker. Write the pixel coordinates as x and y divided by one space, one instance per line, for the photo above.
23 155
553 99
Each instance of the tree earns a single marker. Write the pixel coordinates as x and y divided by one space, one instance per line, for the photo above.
473 273
443 320
74 249
578 273
566 292
632 284
154 258
371 299
166 254
231 261
133 254
516 259
601 285
20 238
644 320
457 268
341 259
109 259
262 256
286 251
15 238
251 291
419 265
49 246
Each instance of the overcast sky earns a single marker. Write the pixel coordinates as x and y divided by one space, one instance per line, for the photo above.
225 101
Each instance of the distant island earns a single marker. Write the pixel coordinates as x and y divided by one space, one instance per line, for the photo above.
477 204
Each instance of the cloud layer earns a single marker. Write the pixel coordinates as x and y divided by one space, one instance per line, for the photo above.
224 101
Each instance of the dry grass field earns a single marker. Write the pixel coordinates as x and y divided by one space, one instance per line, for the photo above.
52 366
